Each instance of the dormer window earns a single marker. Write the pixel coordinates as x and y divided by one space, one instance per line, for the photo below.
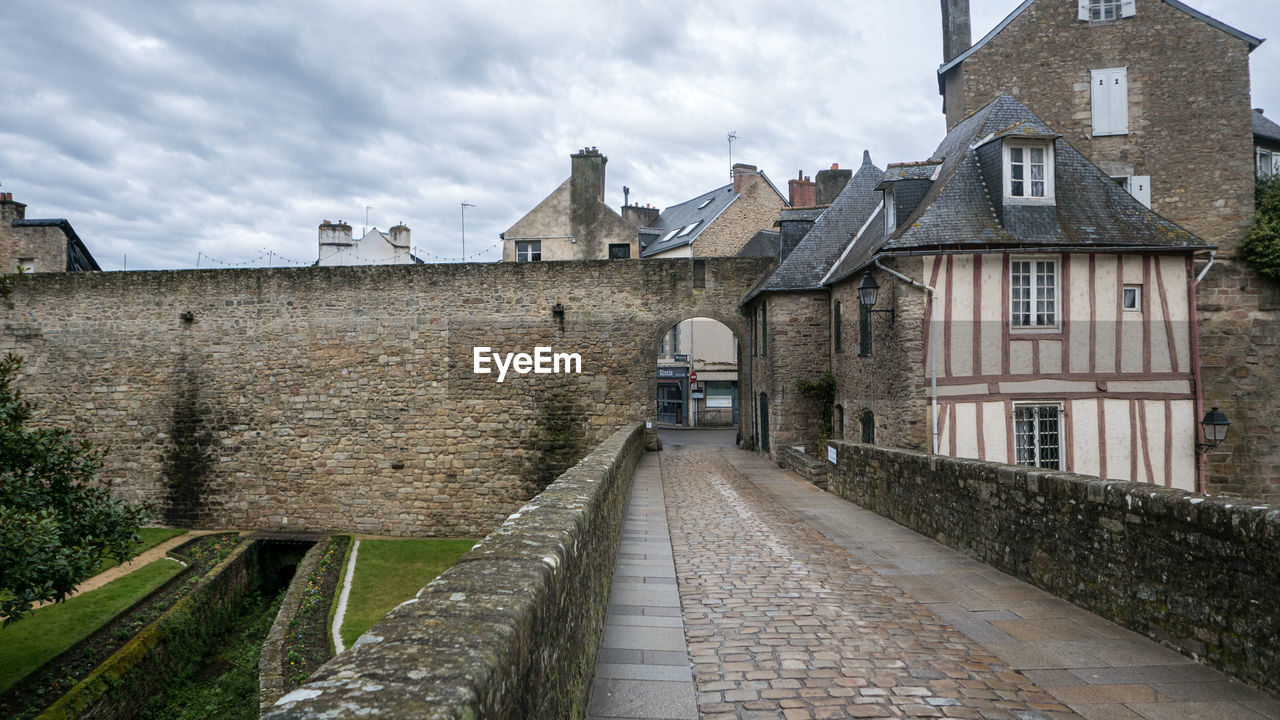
1028 171
890 212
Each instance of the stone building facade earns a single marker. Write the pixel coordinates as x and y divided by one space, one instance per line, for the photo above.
755 209
573 222
1190 130
345 398
39 245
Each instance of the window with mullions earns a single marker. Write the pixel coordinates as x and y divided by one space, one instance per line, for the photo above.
864 331
837 326
1029 167
1037 433
1100 10
529 251
1034 293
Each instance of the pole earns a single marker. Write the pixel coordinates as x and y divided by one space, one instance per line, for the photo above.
465 205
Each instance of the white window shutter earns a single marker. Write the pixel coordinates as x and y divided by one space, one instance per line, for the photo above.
1098 98
1127 8
1140 188
1119 101
1083 10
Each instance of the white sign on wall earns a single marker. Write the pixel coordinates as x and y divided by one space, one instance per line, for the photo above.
831 454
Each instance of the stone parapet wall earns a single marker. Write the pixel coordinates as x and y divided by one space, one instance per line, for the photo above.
512 630
812 469
1195 572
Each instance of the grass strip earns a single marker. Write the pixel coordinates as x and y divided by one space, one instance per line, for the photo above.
388 572
151 537
52 629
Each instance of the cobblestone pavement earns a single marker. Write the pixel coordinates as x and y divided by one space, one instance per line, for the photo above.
783 623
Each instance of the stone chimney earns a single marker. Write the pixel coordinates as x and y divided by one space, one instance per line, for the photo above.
640 216
956 32
586 177
335 234
400 237
800 191
10 209
743 176
830 183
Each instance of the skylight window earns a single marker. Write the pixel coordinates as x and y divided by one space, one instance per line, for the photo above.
689 228
706 202
669 235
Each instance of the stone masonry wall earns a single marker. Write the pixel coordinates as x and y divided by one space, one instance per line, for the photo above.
893 382
512 630
46 245
1240 367
343 398
755 209
799 348
1196 573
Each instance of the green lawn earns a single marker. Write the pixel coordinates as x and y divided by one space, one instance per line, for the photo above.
29 643
151 537
388 572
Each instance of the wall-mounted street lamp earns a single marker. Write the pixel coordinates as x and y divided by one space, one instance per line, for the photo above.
1215 425
868 292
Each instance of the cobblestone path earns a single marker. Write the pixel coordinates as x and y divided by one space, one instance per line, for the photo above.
783 623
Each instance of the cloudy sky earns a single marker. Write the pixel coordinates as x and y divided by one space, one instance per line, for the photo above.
217 130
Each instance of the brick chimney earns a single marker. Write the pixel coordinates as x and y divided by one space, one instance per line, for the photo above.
956 32
743 176
400 237
830 183
640 216
800 192
335 234
10 209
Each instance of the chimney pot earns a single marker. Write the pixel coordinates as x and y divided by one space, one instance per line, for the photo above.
835 166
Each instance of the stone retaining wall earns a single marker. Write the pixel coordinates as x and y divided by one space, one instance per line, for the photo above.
808 467
1198 573
271 679
512 630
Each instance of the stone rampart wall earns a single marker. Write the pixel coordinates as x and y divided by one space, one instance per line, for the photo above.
512 630
1197 573
343 398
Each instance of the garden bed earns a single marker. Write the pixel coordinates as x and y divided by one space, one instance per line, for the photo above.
306 640
50 681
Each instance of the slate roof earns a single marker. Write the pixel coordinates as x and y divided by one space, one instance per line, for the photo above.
1264 128
804 268
909 171
78 256
1251 40
763 244
1090 210
702 209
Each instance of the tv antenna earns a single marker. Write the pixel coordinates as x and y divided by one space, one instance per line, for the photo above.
365 230
733 135
465 205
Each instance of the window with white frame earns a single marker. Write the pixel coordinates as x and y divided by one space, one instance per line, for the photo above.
1109 101
1131 298
890 212
1037 431
528 251
1268 160
1098 11
1033 301
1028 171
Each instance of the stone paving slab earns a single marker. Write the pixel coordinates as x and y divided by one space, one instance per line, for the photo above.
642 669
1096 668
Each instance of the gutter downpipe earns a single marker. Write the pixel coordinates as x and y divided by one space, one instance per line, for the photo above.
933 345
1195 375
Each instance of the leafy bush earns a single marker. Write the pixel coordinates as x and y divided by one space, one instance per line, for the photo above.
56 524
1261 247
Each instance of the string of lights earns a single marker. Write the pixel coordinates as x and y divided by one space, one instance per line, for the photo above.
275 259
